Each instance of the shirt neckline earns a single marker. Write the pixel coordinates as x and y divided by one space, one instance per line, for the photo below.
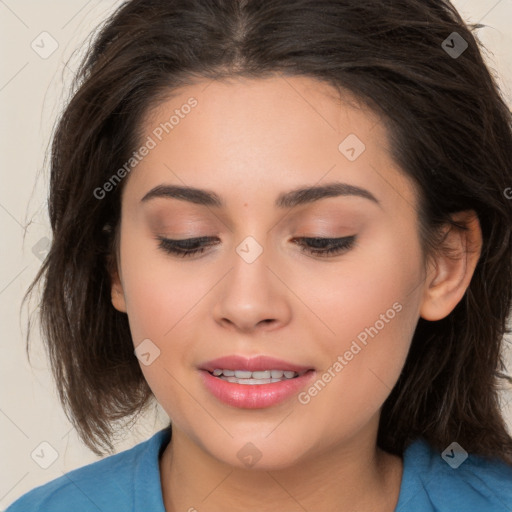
148 488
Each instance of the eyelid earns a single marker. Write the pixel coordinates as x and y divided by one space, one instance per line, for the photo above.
328 246
338 245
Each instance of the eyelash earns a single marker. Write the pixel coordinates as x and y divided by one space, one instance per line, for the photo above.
328 246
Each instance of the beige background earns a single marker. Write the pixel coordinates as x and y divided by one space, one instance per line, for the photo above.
32 91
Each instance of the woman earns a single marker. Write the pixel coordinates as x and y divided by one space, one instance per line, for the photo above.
287 222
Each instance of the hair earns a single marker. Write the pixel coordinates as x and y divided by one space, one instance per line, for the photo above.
449 130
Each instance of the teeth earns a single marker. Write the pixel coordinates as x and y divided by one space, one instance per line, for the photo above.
250 381
242 374
261 375
258 377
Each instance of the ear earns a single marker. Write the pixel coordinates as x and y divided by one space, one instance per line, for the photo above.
450 271
117 292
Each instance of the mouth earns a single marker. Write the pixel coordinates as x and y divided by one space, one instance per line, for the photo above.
254 383
257 368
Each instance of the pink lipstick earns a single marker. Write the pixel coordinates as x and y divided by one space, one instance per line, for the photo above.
254 383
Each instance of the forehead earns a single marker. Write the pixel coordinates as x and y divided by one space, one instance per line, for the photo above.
252 104
256 134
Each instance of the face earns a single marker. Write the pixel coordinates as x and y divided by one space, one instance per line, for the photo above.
340 313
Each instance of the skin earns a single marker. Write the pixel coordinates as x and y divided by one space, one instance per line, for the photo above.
248 141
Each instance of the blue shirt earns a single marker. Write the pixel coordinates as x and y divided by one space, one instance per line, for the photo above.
130 482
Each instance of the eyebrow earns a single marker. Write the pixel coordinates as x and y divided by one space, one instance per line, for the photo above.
296 197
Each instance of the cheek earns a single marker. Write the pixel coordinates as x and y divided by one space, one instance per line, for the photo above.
372 307
158 294
162 306
366 288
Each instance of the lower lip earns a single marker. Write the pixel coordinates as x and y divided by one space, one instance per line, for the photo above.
255 396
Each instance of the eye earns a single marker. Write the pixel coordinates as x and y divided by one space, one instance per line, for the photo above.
312 245
325 246
187 247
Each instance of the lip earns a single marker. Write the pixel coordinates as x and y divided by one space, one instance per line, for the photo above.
253 364
257 396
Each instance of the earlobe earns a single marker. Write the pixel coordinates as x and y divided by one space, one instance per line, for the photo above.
452 268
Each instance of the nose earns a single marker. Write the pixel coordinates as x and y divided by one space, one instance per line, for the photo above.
252 297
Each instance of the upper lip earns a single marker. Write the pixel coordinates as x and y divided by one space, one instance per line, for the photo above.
252 364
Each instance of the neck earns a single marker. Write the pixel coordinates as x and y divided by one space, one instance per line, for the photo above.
358 476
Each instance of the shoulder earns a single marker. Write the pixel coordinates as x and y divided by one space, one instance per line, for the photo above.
113 483
453 480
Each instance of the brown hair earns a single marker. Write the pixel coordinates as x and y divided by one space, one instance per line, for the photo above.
450 131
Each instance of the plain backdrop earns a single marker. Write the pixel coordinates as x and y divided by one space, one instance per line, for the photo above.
34 82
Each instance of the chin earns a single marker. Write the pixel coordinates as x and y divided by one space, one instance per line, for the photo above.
259 454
